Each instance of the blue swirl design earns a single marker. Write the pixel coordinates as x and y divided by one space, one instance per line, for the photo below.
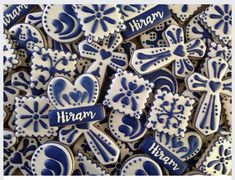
67 25
163 80
132 127
57 162
149 169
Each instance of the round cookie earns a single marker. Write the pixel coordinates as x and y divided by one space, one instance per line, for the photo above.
52 159
140 165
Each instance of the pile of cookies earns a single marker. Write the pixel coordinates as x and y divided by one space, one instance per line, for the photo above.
117 89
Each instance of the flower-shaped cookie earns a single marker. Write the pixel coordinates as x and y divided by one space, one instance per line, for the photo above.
31 114
218 17
170 113
147 60
84 92
99 20
207 116
128 93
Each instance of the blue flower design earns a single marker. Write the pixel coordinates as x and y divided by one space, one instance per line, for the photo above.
221 160
129 93
98 14
35 116
223 16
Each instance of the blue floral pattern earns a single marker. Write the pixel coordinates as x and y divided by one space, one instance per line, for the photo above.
32 117
219 19
207 117
131 96
48 63
99 20
170 113
18 158
218 158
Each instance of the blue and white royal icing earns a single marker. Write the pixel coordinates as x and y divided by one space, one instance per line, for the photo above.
104 55
84 92
17 158
184 148
140 165
48 63
153 37
34 19
55 159
61 23
216 160
196 29
26 37
184 11
125 127
128 93
10 57
207 117
99 20
218 17
14 13
31 117
170 113
142 17
148 60
9 139
85 167
9 92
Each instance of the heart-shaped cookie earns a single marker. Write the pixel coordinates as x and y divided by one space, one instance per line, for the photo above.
63 94
182 147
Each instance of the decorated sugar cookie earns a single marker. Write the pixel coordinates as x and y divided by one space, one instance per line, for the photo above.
207 117
148 60
141 165
184 148
183 11
26 37
18 158
104 55
157 152
9 139
9 93
218 17
128 93
125 153
196 29
61 23
79 101
99 20
217 159
142 17
170 113
32 117
153 37
85 167
126 128
34 19
15 13
48 63
218 50
55 159
10 57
